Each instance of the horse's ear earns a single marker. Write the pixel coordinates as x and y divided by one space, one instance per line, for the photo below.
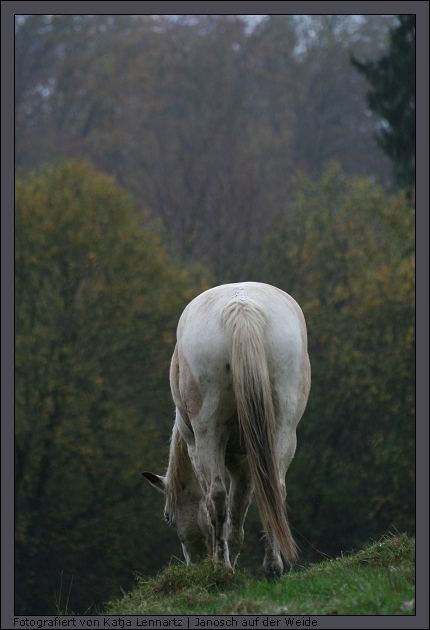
157 481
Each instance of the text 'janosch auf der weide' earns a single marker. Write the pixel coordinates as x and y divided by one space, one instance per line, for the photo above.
253 622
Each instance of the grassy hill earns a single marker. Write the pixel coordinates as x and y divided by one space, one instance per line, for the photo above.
378 580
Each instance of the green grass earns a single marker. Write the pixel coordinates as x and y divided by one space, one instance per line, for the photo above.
378 580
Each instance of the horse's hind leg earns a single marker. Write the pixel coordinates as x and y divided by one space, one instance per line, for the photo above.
285 448
217 505
207 456
240 495
272 563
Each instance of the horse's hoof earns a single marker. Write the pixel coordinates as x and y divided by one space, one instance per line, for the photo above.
228 566
273 570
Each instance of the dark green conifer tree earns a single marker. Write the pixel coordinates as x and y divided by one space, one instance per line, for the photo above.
392 96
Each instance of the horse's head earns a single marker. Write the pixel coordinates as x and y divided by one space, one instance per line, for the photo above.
185 510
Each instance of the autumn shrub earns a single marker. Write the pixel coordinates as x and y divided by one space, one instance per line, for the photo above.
97 301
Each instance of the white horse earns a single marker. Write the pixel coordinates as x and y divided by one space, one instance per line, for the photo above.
240 380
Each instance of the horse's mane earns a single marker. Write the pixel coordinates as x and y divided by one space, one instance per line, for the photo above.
178 469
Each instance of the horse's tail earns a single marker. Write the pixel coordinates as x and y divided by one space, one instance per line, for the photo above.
245 321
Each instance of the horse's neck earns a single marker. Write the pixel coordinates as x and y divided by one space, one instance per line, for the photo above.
180 474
